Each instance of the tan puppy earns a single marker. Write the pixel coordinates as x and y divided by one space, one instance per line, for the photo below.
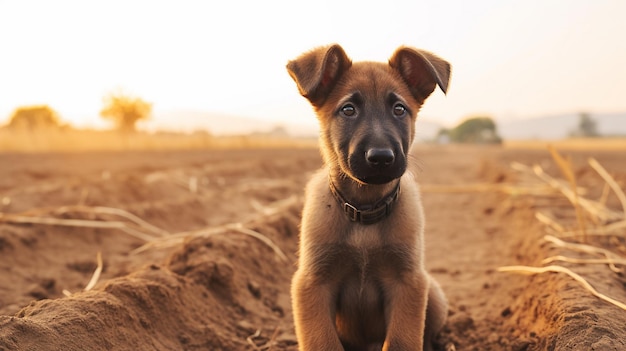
361 282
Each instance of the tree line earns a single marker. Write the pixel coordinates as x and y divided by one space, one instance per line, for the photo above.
483 130
122 109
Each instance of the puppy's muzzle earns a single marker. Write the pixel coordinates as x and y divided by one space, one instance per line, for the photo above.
379 158
376 164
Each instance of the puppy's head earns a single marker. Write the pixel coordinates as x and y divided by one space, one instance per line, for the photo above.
367 110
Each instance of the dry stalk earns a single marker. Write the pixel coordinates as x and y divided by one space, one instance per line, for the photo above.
610 181
605 194
566 169
250 338
17 219
527 170
115 212
589 249
265 212
583 260
276 207
31 219
96 273
549 221
94 278
605 230
598 210
179 238
560 269
269 345
257 206
594 208
241 229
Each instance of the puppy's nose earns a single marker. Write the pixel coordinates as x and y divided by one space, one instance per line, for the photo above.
379 158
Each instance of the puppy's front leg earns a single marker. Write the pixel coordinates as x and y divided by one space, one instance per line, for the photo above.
314 313
406 301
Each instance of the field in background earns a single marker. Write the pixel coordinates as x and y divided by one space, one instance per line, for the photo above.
573 144
89 140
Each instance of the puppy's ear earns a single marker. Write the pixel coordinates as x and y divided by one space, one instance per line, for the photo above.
317 71
421 70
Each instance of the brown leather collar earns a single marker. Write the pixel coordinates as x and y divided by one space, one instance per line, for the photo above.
367 214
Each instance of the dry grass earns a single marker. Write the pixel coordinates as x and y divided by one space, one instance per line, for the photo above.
94 278
276 208
561 269
91 140
47 220
96 273
154 237
572 144
589 212
565 165
605 220
610 258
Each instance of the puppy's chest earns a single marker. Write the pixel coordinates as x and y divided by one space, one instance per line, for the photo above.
367 251
364 238
371 251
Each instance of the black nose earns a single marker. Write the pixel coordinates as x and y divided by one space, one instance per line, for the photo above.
379 158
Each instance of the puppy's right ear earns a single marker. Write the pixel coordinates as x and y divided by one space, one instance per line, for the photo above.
421 70
317 71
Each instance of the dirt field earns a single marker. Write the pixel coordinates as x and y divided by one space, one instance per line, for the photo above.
222 282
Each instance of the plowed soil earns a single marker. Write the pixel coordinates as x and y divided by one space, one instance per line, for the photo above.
223 284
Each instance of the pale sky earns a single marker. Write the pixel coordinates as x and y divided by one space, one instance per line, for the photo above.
511 59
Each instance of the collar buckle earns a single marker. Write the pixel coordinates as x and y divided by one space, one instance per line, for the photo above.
352 212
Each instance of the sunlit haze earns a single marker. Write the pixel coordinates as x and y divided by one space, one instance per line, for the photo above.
510 59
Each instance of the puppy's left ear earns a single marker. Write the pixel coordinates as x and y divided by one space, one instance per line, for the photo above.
421 70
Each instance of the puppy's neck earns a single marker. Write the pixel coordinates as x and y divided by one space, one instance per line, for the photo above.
357 193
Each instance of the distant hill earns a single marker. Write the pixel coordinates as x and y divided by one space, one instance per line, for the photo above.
559 127
223 124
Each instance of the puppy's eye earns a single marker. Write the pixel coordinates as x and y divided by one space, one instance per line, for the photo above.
348 110
399 110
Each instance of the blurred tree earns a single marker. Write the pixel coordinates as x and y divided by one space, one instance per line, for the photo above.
31 118
587 126
475 130
125 110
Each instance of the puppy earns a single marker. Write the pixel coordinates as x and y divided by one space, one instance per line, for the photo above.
361 282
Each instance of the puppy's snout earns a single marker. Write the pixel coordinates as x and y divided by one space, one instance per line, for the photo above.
380 158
